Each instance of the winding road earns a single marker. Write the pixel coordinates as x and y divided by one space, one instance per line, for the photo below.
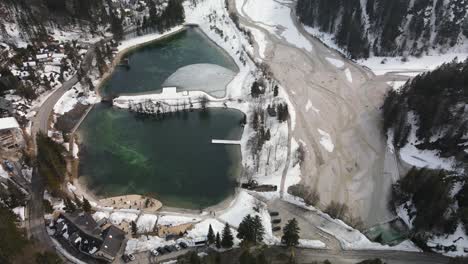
36 225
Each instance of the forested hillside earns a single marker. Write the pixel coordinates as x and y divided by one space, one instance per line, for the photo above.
435 105
34 20
389 27
427 121
28 19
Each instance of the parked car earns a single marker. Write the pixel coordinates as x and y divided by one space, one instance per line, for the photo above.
161 250
276 228
154 252
128 257
8 165
274 213
276 221
168 249
183 245
173 248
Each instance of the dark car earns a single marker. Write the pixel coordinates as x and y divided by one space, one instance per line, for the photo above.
183 245
173 248
128 257
274 213
276 221
168 248
8 165
161 250
276 228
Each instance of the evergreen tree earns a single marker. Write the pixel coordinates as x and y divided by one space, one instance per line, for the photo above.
218 240
282 112
70 207
255 90
275 91
77 201
228 240
50 162
291 233
255 121
211 236
134 228
259 230
86 205
116 23
251 229
12 239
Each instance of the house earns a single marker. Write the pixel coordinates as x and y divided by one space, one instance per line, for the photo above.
11 137
42 57
101 241
113 238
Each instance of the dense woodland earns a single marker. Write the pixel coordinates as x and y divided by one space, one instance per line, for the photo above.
388 27
434 106
51 162
35 17
437 101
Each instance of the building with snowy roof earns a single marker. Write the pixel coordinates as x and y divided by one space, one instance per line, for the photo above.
8 123
89 237
11 136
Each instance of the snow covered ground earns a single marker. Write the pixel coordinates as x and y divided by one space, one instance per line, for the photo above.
337 63
459 239
382 65
73 96
421 158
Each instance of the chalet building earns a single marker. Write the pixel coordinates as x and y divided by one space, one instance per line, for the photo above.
99 240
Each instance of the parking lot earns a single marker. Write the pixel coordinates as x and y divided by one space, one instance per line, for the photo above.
148 257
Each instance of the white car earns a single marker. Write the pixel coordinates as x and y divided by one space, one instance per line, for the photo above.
154 252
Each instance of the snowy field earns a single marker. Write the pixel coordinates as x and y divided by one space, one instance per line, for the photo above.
421 158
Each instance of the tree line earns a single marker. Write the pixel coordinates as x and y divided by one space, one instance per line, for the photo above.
387 27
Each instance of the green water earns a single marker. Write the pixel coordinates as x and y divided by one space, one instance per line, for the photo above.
172 159
152 64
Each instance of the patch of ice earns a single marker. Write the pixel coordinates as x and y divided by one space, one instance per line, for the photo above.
309 106
326 141
349 76
335 62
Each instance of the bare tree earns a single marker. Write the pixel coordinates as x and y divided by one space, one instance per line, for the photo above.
203 101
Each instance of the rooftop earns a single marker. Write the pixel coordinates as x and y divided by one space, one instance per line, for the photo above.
8 123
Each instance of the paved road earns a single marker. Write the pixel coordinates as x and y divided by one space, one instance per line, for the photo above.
305 255
348 257
36 225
